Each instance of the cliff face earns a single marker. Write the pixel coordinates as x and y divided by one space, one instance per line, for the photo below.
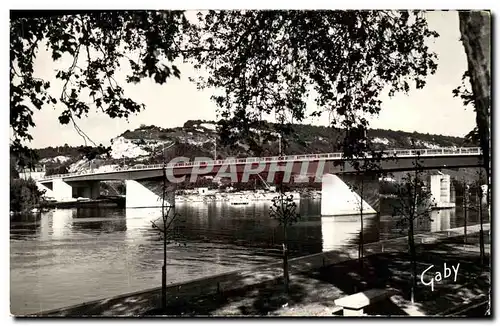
198 138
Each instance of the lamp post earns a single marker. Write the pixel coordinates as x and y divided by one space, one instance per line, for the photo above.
279 144
215 148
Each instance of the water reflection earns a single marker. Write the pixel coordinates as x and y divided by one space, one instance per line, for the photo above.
99 225
61 223
68 256
89 221
441 219
143 213
26 225
339 231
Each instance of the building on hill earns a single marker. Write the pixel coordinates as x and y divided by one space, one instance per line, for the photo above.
35 173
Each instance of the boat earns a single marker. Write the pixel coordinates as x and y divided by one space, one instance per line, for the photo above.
240 203
239 200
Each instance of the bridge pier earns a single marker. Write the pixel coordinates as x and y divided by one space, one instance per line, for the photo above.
146 193
441 219
337 198
61 190
90 189
440 187
42 187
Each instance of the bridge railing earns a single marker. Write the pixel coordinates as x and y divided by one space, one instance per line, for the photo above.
394 153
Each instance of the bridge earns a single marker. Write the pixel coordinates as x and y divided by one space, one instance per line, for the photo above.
332 169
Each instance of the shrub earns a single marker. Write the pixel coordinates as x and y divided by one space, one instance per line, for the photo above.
24 195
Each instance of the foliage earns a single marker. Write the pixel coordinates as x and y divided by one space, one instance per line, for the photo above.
414 198
24 195
62 169
91 153
414 202
165 226
264 62
309 139
283 210
50 152
269 62
463 91
14 173
465 94
72 155
473 200
24 157
98 43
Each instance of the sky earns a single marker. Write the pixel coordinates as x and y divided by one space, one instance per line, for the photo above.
430 110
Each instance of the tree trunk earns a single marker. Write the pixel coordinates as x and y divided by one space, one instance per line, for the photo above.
164 267
475 29
361 237
286 277
466 207
413 255
411 238
164 286
481 234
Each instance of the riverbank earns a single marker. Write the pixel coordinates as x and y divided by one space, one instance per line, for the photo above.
144 302
313 292
92 203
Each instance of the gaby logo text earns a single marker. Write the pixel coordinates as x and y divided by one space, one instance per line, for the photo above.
438 277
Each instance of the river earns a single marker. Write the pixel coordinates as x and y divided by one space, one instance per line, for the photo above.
69 256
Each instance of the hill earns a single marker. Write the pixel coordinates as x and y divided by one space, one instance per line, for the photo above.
197 138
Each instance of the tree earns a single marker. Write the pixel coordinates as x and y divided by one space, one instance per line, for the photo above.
165 228
269 62
475 28
366 165
414 205
14 173
62 169
477 207
91 153
361 211
365 159
24 195
283 209
466 206
168 216
98 43
264 62
480 193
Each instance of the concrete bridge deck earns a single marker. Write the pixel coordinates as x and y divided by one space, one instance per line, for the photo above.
144 184
395 160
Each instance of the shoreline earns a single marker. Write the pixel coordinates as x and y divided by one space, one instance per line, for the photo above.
138 303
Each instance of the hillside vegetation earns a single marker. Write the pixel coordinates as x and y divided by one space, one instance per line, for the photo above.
197 138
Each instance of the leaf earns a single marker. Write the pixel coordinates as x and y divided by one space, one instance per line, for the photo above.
64 119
